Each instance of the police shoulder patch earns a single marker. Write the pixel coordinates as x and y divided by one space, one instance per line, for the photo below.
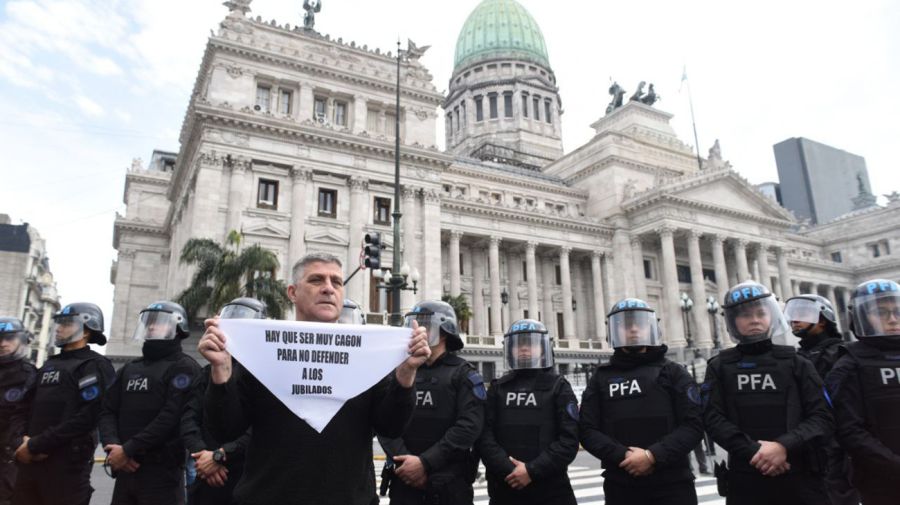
477 383
14 394
572 410
693 394
90 393
86 381
181 381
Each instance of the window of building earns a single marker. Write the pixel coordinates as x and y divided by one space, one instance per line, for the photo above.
558 273
340 113
524 104
525 314
560 325
536 102
456 111
875 250
262 98
284 102
648 269
684 273
390 124
492 98
517 201
327 202
382 210
508 104
547 116
479 109
267 194
319 109
836 257
709 275
525 273
450 121
461 269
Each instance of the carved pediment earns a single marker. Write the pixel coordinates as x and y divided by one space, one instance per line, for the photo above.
267 229
327 236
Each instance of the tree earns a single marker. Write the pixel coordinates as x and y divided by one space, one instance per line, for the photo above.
225 272
461 307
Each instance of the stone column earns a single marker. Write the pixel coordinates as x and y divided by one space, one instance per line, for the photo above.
580 301
548 285
718 249
478 326
599 302
305 101
236 202
762 259
300 178
830 294
623 274
453 262
360 113
637 255
410 242
610 293
740 257
670 299
784 276
845 296
566 282
359 189
702 334
814 288
494 272
513 275
531 268
430 264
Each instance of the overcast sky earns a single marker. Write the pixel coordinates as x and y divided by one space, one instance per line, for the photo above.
85 86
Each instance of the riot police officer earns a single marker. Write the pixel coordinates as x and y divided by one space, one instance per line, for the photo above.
219 465
57 452
141 414
640 414
813 321
433 458
765 405
351 313
865 391
531 424
17 376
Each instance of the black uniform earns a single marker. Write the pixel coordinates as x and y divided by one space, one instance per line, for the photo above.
824 352
531 415
142 413
643 400
63 422
198 438
447 421
767 392
290 463
865 390
17 378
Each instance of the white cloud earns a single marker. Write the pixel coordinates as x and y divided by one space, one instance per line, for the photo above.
89 107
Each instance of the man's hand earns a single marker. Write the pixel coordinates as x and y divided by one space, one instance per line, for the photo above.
770 459
25 456
518 478
419 352
410 470
218 478
207 469
212 347
118 460
638 462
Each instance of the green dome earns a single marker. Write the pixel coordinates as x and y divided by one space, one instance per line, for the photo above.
500 29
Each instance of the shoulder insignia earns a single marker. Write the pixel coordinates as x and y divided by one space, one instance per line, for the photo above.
477 383
14 394
572 410
181 381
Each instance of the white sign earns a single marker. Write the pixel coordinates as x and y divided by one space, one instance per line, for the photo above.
313 368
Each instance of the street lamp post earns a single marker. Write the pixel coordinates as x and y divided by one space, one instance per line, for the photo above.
686 305
712 306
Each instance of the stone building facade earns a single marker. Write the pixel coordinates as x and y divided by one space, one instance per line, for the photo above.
289 137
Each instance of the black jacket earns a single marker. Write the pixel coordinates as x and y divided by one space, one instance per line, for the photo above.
197 436
822 352
287 461
17 378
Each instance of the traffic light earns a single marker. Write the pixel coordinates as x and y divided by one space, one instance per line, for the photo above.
373 249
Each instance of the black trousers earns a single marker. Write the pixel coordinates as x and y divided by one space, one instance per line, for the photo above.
151 484
554 491
455 491
787 489
676 493
200 493
61 479
7 479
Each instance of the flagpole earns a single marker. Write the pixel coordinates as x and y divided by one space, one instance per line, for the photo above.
693 121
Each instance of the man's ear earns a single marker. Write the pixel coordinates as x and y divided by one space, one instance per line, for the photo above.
292 292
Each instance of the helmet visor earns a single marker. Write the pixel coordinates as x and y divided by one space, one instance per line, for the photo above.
156 325
633 328
526 351
68 328
351 315
238 311
428 320
757 320
13 346
801 310
877 315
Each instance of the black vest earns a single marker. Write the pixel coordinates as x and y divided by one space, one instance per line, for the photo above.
57 393
16 378
823 355
761 391
637 410
436 393
879 376
525 413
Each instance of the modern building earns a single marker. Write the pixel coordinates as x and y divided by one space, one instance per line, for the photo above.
289 138
820 182
27 288
770 189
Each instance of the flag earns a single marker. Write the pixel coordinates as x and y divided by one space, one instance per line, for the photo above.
683 78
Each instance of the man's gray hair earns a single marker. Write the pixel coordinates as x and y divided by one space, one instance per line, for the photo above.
318 257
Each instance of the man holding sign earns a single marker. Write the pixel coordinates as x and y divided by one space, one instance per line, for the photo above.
289 459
